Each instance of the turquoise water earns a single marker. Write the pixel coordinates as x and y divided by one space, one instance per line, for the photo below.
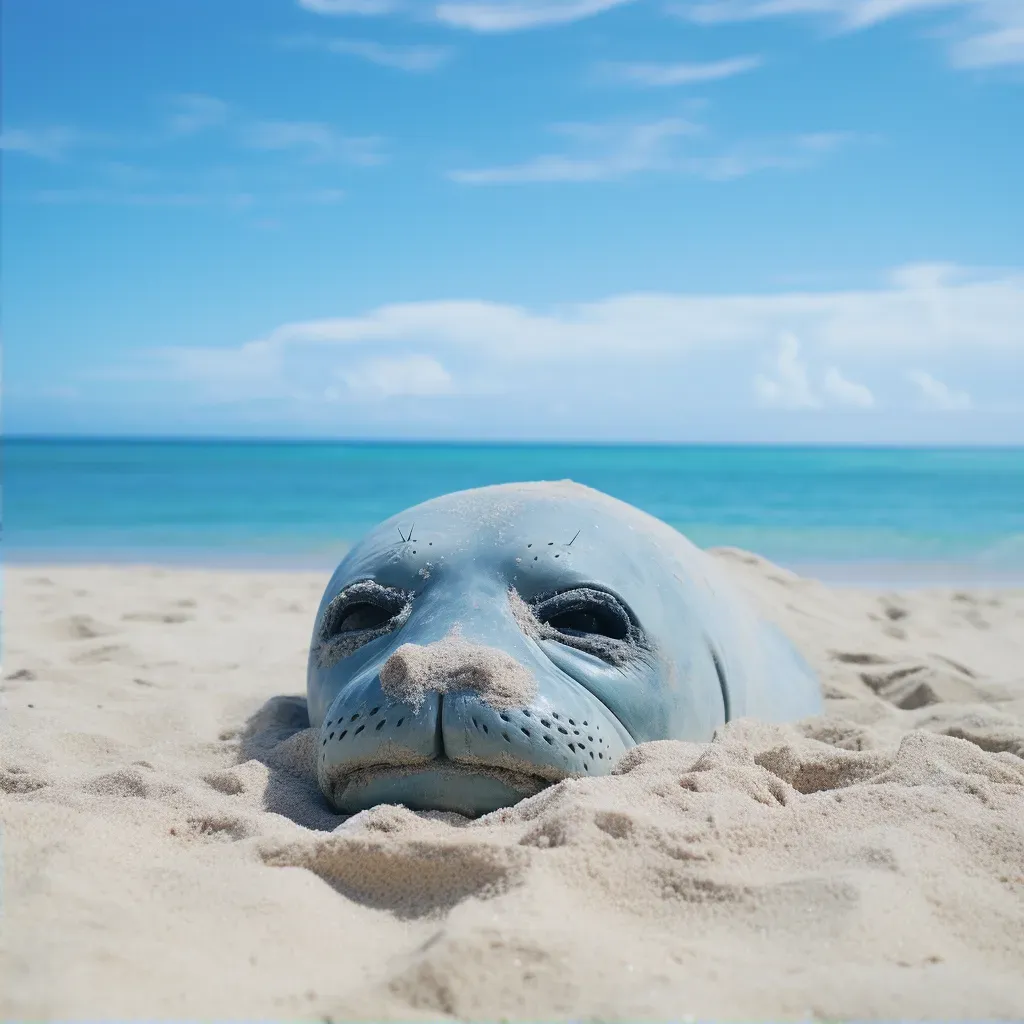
303 503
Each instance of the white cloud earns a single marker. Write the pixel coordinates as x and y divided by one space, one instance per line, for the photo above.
403 376
846 392
660 75
612 152
1000 46
318 141
194 112
515 15
638 344
985 33
484 16
42 143
412 58
790 387
938 395
609 152
366 8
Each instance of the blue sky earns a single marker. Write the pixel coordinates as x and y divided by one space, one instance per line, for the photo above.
708 220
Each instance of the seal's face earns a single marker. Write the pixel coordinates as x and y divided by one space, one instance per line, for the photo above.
481 646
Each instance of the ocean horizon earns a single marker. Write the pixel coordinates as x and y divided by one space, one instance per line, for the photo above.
847 514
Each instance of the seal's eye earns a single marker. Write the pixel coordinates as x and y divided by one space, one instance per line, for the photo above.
360 613
585 612
590 617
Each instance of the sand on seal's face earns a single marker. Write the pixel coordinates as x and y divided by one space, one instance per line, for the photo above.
167 851
453 663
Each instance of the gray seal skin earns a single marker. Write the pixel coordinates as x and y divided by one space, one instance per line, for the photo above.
478 647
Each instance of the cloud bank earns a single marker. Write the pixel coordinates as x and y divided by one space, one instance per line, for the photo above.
650 358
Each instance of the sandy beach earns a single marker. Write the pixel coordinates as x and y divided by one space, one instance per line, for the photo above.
166 852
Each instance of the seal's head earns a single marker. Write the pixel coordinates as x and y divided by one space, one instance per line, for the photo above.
485 644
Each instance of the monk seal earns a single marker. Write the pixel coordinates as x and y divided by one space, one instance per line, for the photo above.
482 645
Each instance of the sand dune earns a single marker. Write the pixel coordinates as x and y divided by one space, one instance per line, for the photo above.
167 854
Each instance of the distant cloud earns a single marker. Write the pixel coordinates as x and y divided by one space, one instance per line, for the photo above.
92 196
612 152
193 113
318 141
237 200
663 75
1000 46
513 16
789 388
654 341
615 151
43 143
846 392
483 16
985 33
938 395
368 8
384 377
412 58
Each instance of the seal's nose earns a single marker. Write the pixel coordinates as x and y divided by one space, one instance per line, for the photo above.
453 663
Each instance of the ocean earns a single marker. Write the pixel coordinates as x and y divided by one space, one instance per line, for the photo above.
847 514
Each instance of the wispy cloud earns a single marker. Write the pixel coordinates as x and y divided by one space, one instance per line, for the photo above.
609 152
789 387
615 151
192 113
237 199
985 33
316 140
938 395
483 16
51 143
516 15
413 58
390 377
663 75
366 8
846 392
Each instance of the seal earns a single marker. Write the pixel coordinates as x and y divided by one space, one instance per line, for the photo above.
483 645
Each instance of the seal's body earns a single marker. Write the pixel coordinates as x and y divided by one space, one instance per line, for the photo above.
487 643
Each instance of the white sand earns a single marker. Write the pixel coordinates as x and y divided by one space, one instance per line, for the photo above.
165 854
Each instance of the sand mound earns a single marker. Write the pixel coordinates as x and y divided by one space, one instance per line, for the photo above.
167 852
